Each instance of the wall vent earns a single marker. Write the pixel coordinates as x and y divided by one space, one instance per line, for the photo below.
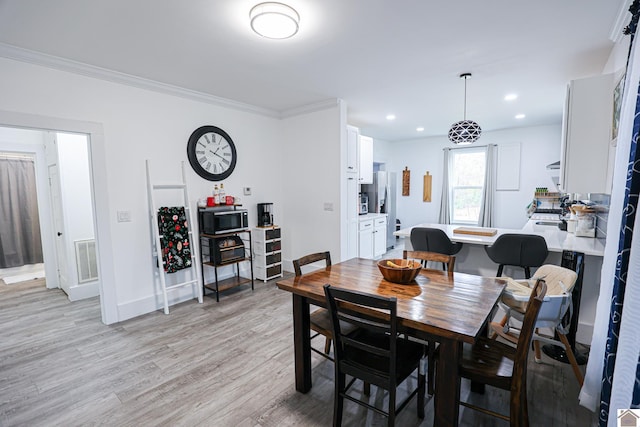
86 260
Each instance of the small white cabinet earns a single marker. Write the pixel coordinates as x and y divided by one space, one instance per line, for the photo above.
352 216
379 236
586 135
365 162
267 252
365 239
372 237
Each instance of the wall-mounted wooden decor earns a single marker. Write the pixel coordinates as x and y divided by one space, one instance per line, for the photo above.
406 178
426 192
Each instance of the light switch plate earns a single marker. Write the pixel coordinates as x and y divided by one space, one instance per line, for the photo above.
328 206
247 191
124 216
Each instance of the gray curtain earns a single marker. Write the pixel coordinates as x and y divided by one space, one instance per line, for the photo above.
19 224
485 219
445 208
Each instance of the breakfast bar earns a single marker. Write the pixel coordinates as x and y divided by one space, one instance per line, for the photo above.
472 259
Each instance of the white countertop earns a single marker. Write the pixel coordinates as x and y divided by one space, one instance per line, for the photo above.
557 240
371 216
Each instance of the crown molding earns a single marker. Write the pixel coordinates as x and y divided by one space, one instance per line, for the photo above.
310 108
622 19
50 61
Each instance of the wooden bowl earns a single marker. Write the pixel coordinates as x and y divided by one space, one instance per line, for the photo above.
399 270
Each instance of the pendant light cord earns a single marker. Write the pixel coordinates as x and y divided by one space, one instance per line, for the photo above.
464 115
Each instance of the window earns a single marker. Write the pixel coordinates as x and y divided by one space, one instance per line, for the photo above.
466 183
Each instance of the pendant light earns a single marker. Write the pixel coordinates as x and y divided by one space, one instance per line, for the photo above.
465 131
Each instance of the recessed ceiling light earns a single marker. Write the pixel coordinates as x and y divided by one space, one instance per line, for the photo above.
274 20
520 116
511 97
391 116
420 129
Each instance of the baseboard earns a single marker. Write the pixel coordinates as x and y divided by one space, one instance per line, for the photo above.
84 291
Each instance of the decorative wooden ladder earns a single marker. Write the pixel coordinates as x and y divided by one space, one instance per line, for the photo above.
195 259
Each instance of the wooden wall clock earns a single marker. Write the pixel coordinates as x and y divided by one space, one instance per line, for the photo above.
212 153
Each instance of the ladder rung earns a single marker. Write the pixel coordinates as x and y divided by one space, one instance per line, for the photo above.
168 186
190 282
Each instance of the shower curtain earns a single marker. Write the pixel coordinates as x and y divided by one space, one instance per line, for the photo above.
20 242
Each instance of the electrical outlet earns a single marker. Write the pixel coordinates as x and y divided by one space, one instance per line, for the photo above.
328 206
247 191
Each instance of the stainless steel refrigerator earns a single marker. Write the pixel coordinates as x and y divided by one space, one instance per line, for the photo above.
382 199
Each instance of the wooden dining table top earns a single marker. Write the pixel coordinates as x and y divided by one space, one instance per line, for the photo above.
453 307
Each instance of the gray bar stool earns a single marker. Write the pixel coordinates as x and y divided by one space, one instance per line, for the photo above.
519 250
427 239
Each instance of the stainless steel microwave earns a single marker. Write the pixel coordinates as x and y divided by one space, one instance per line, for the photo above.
215 221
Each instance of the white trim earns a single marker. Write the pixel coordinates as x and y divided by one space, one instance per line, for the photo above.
50 61
310 108
108 300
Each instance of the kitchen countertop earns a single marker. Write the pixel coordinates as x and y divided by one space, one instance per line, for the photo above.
557 240
371 216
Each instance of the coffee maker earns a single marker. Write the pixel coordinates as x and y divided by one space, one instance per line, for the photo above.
265 214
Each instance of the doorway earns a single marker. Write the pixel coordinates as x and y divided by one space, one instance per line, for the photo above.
66 208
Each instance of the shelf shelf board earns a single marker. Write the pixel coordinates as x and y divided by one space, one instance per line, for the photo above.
226 284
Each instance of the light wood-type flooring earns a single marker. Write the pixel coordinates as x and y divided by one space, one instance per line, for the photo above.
213 364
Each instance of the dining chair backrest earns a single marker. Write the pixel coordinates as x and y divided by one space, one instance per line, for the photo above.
528 327
310 259
433 240
520 250
449 260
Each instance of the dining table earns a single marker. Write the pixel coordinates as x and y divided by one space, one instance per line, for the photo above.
448 309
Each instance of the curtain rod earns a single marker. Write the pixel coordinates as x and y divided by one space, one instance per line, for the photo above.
467 148
11 156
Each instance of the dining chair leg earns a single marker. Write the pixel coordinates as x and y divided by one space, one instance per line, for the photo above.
572 358
338 400
421 395
431 368
327 345
391 419
518 409
366 389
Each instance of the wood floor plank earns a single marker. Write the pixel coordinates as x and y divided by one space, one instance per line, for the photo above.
213 364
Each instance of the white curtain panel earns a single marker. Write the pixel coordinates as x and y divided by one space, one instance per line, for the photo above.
445 210
485 219
629 341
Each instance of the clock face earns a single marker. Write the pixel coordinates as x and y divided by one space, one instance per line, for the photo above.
212 153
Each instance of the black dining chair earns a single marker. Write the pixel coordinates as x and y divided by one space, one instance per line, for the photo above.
373 353
320 321
518 250
429 239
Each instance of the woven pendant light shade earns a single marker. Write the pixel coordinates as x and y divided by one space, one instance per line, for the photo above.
465 131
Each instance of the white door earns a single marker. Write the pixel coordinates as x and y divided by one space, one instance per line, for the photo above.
58 224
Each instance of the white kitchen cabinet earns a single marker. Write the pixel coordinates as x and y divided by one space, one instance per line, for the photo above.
352 149
365 163
379 236
586 135
365 239
352 216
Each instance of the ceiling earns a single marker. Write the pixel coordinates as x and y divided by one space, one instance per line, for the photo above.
379 56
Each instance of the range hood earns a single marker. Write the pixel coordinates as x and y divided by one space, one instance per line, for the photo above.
554 166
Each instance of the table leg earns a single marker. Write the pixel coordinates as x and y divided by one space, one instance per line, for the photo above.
447 392
302 343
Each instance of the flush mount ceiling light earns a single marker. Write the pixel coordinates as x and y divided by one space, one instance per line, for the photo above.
274 20
465 131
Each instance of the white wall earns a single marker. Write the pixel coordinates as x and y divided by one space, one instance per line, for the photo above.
311 174
540 146
140 124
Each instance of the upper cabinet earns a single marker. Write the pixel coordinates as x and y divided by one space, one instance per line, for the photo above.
586 135
365 166
352 149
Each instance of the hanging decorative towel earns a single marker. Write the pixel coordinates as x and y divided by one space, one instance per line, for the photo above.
174 238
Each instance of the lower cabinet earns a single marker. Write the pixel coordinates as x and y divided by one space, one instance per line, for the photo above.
379 236
372 237
365 239
267 252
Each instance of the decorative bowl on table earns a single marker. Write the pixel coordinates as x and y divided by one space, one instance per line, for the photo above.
399 270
